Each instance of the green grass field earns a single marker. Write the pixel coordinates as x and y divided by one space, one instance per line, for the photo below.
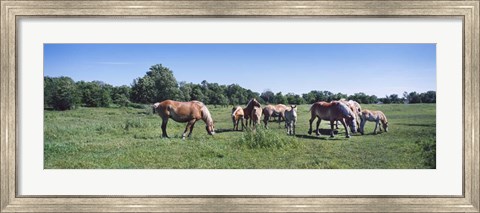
130 138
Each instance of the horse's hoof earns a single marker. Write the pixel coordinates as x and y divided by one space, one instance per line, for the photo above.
331 136
348 136
309 132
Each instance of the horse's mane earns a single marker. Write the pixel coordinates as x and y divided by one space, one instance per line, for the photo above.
205 113
344 109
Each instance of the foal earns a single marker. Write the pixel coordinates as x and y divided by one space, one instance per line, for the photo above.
377 117
291 119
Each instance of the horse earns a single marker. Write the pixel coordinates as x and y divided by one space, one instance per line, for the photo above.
237 116
247 111
291 119
355 107
333 111
273 111
256 115
182 112
376 116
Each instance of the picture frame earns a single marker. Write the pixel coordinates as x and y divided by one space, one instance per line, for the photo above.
10 201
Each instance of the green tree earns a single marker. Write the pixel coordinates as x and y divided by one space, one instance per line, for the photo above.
280 98
120 95
268 96
60 93
158 84
94 94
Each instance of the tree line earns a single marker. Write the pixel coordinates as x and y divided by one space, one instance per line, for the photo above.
159 83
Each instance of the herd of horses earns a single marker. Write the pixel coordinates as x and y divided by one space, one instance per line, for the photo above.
348 113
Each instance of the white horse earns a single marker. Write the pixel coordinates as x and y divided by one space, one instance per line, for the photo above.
291 119
377 117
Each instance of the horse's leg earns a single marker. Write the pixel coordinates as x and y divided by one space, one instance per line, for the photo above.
311 121
332 124
164 127
191 128
362 126
265 120
376 124
189 124
279 118
317 131
243 125
233 120
357 119
346 128
336 124
294 124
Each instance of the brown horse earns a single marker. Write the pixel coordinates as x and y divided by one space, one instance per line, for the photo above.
183 112
247 111
333 111
237 116
377 117
273 111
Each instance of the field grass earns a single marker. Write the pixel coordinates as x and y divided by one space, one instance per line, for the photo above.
130 138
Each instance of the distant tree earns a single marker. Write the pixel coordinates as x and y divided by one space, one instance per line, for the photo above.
120 95
94 94
268 96
280 98
158 84
294 99
429 97
414 97
394 99
60 93
186 90
143 90
197 93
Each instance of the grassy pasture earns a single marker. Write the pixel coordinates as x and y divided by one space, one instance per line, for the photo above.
130 138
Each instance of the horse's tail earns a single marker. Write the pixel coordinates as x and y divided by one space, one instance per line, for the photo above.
235 112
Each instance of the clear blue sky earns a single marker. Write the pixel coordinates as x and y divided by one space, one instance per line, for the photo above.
376 69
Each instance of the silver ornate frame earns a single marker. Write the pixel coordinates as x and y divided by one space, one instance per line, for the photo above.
467 10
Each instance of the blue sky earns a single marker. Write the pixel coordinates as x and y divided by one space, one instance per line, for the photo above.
376 69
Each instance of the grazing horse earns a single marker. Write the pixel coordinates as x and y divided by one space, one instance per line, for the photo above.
355 107
291 119
247 111
376 116
273 111
333 111
183 112
256 115
237 116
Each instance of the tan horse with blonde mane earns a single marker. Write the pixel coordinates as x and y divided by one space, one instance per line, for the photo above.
273 111
247 111
377 117
256 115
356 109
333 111
183 112
237 116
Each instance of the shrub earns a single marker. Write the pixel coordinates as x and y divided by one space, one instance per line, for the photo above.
262 138
60 93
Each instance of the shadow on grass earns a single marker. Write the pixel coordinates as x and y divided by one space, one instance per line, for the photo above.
371 133
422 125
226 130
